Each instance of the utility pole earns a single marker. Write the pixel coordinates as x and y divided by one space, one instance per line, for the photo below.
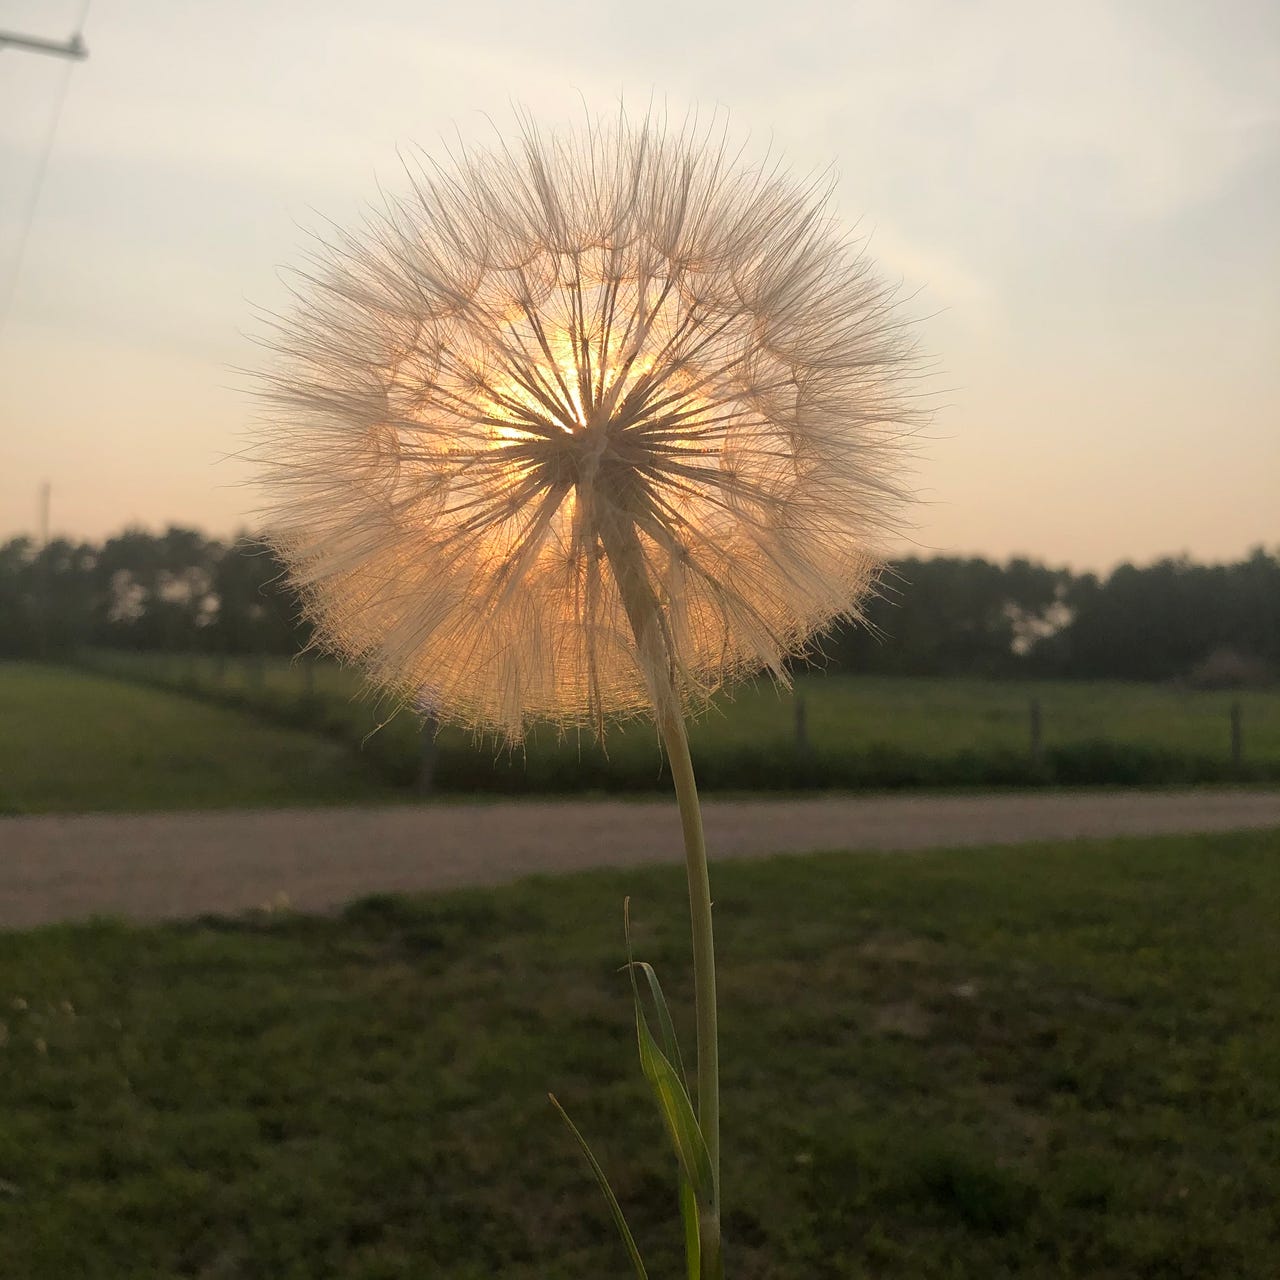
73 48
42 576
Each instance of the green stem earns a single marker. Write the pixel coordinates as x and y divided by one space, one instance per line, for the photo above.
676 740
704 958
657 659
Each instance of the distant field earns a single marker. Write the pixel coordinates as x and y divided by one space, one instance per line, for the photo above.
73 741
1040 1062
859 732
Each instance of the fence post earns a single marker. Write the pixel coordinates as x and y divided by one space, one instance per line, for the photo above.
802 725
1237 735
1037 733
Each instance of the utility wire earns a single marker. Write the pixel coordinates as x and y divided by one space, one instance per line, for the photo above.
29 214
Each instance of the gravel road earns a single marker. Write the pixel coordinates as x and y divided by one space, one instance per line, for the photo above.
154 866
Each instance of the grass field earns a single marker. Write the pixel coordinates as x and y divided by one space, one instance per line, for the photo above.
861 732
1038 1062
71 741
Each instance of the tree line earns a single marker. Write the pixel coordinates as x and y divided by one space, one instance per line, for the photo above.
181 591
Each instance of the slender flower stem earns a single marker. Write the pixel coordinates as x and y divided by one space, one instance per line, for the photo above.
622 547
676 740
704 959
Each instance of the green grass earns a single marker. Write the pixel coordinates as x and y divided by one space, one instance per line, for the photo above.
72 741
1042 1062
876 732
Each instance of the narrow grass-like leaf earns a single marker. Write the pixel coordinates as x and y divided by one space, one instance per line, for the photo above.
677 1113
615 1208
692 1234
670 1046
673 1098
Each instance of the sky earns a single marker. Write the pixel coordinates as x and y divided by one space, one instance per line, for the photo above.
1082 203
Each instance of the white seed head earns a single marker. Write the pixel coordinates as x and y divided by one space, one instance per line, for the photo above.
619 353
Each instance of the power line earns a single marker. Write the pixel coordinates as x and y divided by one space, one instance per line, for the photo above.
71 49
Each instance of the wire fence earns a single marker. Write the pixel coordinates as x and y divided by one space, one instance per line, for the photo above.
828 732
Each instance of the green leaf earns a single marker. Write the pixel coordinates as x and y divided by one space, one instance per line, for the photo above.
670 1046
672 1096
692 1235
615 1208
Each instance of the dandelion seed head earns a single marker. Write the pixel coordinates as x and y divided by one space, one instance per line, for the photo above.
563 361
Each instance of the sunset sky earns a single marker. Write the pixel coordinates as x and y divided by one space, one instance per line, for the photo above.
1083 200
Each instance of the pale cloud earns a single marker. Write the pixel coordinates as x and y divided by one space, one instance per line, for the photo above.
942 280
1148 124
1090 103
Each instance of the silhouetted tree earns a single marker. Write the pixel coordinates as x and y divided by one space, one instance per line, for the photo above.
179 590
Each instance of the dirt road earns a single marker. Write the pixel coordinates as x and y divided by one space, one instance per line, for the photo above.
150 866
